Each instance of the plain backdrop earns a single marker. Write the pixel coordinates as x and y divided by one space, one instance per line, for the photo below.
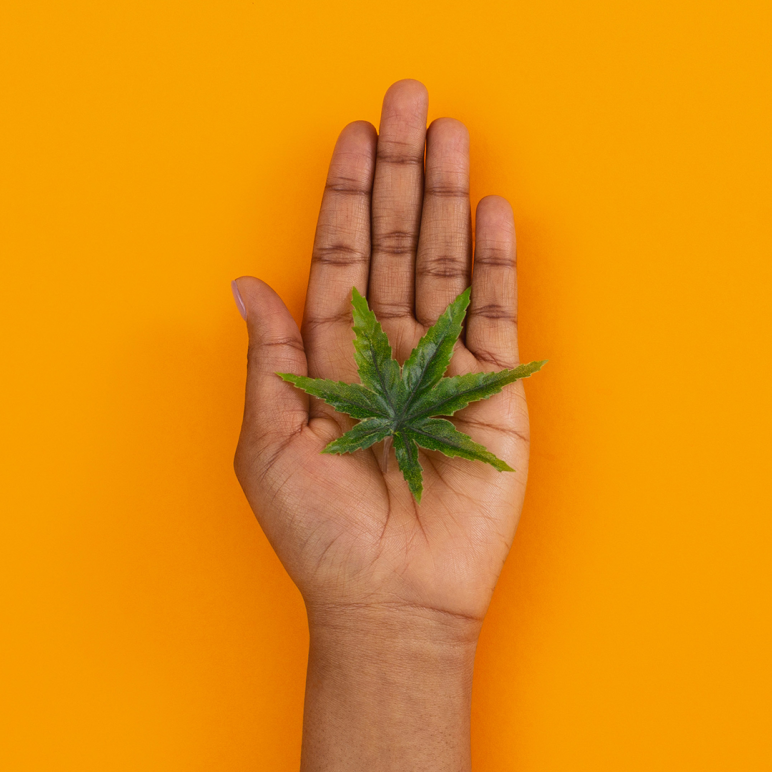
151 151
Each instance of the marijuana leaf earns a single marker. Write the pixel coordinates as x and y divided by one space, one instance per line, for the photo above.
402 402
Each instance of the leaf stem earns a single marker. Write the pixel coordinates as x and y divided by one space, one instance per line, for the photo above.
387 443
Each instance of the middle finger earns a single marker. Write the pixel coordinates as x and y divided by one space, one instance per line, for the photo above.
397 194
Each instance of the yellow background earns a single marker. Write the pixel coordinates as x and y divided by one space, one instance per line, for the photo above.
152 150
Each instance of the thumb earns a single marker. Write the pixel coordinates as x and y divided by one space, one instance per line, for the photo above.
273 409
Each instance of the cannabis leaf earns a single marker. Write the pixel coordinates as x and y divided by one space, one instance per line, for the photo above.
402 402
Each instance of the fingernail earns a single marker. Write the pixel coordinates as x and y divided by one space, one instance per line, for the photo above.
239 302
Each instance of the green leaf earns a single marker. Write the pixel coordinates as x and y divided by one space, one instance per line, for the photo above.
407 458
455 393
350 398
440 434
431 357
401 402
363 435
378 370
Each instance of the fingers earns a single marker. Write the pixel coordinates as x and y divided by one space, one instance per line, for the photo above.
397 194
444 259
341 255
491 333
273 410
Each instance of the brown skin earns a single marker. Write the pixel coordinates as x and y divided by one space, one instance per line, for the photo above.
396 593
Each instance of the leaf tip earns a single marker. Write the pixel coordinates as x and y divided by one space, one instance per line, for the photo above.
464 299
333 448
356 295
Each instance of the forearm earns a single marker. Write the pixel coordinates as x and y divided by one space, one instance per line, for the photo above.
388 690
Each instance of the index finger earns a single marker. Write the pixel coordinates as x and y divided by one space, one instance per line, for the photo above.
341 254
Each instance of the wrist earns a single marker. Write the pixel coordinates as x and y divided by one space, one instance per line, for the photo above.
385 628
389 688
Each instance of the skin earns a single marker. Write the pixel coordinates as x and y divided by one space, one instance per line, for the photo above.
396 593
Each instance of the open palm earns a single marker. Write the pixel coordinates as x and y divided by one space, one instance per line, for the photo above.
399 230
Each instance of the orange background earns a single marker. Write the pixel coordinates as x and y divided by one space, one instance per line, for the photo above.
152 151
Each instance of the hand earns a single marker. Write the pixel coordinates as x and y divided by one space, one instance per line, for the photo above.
348 532
367 560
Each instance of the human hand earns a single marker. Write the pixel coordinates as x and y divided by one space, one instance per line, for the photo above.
367 560
349 533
